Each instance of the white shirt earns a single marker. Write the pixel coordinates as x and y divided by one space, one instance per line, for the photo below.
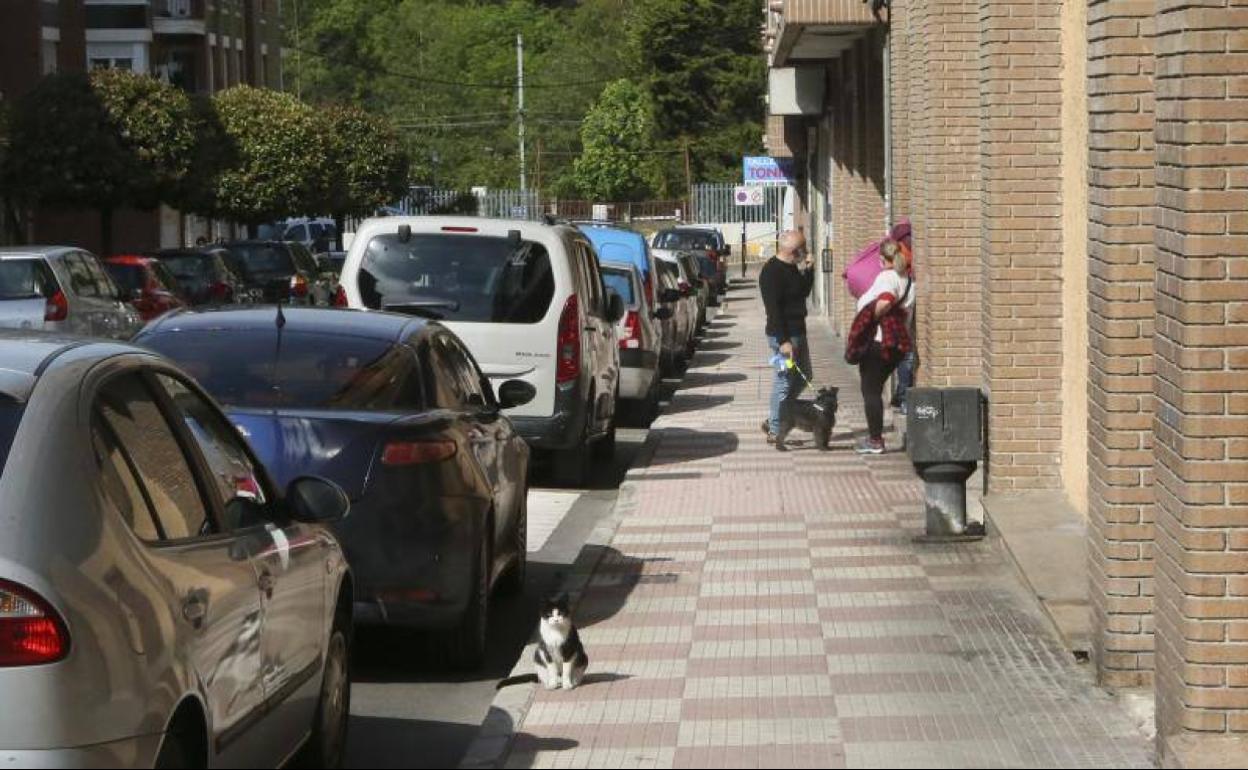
888 282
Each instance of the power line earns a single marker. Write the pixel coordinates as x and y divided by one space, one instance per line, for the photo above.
507 85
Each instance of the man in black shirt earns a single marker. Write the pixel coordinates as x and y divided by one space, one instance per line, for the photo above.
785 286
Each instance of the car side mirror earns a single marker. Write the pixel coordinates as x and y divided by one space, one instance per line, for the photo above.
669 295
513 393
317 500
615 307
727 251
662 314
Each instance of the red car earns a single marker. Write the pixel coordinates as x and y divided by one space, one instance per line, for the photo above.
146 284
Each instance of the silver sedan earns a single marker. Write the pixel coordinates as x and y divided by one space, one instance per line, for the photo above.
161 604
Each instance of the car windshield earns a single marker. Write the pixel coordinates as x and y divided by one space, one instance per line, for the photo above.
129 278
24 279
190 268
248 369
684 239
621 281
264 259
458 277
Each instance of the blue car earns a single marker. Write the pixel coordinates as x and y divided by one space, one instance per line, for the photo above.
395 411
625 246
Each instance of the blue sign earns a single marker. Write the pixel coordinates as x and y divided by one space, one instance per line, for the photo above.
766 170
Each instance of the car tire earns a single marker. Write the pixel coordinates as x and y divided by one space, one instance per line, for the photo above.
465 645
327 745
512 583
174 753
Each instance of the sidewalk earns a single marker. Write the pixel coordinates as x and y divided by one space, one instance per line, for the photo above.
760 609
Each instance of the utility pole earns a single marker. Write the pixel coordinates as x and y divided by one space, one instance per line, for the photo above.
520 104
538 170
688 183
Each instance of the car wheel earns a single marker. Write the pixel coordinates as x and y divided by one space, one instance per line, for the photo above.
174 753
465 645
512 584
327 745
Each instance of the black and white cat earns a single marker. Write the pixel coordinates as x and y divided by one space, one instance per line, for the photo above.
560 657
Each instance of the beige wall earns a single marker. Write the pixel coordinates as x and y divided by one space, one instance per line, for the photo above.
1074 35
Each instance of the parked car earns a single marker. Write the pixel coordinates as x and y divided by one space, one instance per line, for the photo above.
640 335
614 244
708 241
148 285
284 271
529 302
395 410
678 295
208 276
61 289
318 234
170 607
690 277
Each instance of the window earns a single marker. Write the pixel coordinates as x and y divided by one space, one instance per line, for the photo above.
466 375
458 277
297 233
129 409
593 281
621 281
121 488
48 55
26 279
443 386
104 285
81 280
237 481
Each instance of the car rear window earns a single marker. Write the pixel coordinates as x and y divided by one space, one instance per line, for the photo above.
10 417
192 268
129 278
458 277
248 369
25 279
678 239
621 281
263 259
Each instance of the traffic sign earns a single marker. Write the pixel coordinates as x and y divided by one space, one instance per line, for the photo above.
748 195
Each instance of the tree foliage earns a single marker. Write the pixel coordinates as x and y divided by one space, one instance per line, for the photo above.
283 156
368 163
618 136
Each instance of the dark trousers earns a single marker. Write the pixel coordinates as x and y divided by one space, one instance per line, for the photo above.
874 372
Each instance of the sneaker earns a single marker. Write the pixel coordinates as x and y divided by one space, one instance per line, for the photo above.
870 446
767 427
771 437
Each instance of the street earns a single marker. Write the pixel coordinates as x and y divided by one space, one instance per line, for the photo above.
407 710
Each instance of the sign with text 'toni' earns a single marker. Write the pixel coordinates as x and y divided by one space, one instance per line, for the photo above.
762 169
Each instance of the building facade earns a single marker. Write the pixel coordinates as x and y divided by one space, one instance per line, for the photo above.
202 46
1076 174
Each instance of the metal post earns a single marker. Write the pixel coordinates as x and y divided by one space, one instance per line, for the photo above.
520 104
742 244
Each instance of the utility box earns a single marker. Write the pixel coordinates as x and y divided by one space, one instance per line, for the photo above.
944 425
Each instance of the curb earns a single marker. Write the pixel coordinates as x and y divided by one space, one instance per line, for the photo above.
492 744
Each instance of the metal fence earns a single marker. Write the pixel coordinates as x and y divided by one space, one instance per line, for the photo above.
425 201
636 211
713 204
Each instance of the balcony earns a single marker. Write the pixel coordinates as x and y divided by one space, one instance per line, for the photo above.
812 30
178 17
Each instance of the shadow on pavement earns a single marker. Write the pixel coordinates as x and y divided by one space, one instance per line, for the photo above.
615 575
707 379
693 402
683 445
392 742
717 346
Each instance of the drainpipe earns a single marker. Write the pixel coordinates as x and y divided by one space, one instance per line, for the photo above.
888 132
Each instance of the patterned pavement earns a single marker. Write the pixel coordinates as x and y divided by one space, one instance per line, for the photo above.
760 609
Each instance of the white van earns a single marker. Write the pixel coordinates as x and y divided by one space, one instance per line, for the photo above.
529 302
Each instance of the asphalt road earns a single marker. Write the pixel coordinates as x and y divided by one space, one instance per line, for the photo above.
407 709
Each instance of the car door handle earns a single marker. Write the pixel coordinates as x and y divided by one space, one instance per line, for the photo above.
194 610
267 581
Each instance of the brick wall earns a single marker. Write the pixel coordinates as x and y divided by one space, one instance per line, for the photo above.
899 91
1120 329
1201 426
1021 239
946 235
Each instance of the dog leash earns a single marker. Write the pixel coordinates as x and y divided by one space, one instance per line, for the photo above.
791 364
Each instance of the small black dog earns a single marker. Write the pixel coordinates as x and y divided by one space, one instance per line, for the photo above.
818 417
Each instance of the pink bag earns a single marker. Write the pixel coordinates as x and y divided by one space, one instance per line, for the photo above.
861 273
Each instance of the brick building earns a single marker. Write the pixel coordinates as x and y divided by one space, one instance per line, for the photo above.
1077 176
199 45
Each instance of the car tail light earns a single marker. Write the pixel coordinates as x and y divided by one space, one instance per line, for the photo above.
340 297
398 453
219 291
568 345
298 286
31 633
631 340
649 286
56 308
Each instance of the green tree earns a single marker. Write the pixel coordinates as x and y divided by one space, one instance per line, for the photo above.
618 136
284 157
101 142
369 163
